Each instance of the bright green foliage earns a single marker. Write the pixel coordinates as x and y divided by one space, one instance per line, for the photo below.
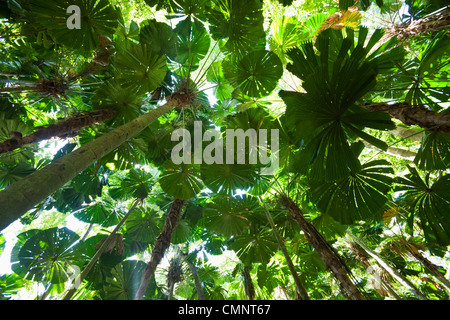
309 69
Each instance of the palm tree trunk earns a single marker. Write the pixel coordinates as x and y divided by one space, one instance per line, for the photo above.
298 283
197 281
397 276
428 264
397 152
61 128
161 245
363 257
23 195
432 23
326 253
100 251
419 115
410 134
248 283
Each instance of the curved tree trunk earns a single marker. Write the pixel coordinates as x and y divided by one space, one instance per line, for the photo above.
326 253
419 115
23 195
382 285
161 245
428 264
397 276
60 129
300 288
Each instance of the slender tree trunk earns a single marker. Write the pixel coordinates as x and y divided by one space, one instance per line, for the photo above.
383 284
60 129
326 253
397 276
100 251
419 115
410 134
298 283
170 289
197 281
161 245
23 195
248 283
428 264
397 152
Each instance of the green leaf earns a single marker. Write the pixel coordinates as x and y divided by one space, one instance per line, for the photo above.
138 183
140 69
125 281
228 215
240 23
98 19
181 181
228 178
193 43
429 202
359 196
104 213
434 152
47 254
257 73
159 38
256 247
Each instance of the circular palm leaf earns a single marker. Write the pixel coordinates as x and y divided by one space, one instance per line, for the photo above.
228 178
98 19
143 225
429 202
159 38
104 213
47 255
256 247
239 22
181 181
193 43
359 196
257 73
229 215
125 280
139 69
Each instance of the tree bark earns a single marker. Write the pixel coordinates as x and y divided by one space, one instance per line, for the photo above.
427 263
397 276
197 281
60 129
23 195
248 283
326 253
433 23
384 285
419 115
298 283
161 245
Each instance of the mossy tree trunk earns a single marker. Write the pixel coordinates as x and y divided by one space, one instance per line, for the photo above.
23 195
63 128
